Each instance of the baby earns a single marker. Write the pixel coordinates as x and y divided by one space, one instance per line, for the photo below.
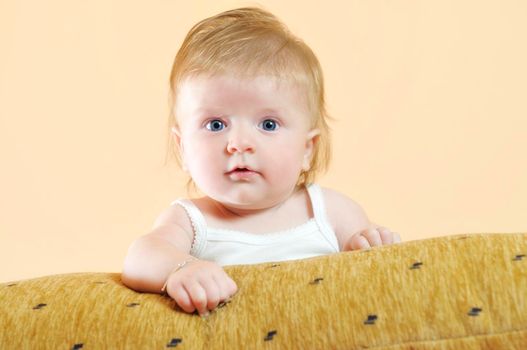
249 126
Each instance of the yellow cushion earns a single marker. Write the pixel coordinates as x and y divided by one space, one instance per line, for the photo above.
454 292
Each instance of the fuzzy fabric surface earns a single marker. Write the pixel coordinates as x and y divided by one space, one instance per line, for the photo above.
456 292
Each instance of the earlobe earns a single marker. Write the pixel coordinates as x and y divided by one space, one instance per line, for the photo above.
306 165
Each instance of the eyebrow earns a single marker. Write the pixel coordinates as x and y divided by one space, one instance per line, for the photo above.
215 110
268 110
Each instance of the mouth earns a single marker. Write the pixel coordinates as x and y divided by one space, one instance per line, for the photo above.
241 172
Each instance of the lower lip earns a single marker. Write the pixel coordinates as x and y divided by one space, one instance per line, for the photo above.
241 175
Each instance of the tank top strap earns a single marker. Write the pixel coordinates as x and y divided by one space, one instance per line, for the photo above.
198 222
319 211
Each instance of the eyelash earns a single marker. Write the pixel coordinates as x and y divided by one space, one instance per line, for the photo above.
209 127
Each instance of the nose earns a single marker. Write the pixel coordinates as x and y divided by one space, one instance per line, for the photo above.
240 142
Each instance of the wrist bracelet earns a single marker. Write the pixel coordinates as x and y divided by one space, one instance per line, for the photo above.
177 268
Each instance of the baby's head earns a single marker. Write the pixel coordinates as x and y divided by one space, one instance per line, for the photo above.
246 63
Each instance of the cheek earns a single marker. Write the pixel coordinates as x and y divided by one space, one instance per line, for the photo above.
285 159
202 152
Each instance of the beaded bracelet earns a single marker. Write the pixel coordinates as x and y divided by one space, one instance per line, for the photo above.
177 268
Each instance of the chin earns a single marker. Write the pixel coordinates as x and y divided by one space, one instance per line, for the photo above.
243 200
247 198
244 203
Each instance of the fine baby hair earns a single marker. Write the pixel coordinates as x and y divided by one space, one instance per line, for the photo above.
248 42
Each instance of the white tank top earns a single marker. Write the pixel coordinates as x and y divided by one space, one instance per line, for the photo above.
228 247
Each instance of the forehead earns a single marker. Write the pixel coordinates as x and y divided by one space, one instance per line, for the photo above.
199 93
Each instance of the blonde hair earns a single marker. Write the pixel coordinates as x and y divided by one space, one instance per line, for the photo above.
250 41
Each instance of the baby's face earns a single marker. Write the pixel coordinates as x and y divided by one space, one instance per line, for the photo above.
244 142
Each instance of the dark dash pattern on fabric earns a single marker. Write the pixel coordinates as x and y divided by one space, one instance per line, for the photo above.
474 311
316 280
416 265
224 303
39 306
270 335
371 319
174 342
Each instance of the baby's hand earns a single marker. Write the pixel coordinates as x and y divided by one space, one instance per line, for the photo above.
200 285
374 236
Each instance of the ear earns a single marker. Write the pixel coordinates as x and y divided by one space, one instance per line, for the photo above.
311 140
177 137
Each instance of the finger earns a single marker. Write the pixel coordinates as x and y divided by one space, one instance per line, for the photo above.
226 285
358 242
198 296
223 287
212 290
373 236
233 287
396 238
182 298
386 235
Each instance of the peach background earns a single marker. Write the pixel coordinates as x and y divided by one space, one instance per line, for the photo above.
429 96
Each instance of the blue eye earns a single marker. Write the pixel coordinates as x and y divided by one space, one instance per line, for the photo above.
215 125
269 125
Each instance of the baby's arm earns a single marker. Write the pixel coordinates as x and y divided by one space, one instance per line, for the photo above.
351 224
198 285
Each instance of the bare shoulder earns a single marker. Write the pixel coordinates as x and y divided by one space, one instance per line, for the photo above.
345 215
174 225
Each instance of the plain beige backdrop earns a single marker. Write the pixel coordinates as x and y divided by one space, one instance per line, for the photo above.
429 96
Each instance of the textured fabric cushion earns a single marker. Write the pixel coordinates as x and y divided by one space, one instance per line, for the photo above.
455 292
